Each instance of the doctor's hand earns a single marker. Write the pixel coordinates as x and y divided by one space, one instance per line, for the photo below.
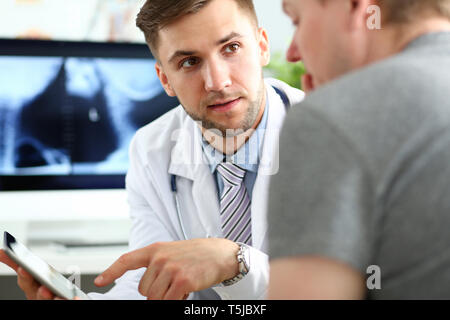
175 269
32 289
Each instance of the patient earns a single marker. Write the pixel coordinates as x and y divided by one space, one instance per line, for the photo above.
360 206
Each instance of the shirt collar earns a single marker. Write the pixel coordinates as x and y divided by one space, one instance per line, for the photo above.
245 157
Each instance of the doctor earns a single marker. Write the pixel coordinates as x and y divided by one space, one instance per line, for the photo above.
198 178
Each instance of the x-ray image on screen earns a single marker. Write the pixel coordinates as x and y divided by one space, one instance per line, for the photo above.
74 115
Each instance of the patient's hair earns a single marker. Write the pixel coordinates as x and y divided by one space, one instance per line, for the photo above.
156 14
405 11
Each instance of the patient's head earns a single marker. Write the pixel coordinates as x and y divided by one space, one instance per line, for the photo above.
333 37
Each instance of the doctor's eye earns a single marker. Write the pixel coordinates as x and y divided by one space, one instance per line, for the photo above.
232 48
189 62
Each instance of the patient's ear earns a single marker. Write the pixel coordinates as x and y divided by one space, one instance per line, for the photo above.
164 80
358 15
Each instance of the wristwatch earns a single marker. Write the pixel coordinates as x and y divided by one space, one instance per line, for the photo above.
243 258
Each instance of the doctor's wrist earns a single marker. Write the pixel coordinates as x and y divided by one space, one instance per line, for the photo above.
242 259
230 265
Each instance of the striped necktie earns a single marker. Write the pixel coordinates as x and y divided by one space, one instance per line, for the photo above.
235 204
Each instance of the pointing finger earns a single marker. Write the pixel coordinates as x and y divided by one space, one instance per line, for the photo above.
129 261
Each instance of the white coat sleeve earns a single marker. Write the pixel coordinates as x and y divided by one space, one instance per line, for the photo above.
254 285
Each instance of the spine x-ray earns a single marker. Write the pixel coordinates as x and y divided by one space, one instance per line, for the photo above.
70 116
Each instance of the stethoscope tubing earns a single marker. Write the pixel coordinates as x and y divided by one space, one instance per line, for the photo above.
173 183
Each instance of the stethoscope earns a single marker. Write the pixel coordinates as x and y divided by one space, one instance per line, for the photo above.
173 185
173 178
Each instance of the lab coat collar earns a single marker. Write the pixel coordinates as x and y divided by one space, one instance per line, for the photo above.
187 158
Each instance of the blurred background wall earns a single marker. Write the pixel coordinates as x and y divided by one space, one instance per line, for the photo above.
107 20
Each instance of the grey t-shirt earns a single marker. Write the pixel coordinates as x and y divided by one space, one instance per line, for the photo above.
365 173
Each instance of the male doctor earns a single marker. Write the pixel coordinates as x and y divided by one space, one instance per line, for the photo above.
198 179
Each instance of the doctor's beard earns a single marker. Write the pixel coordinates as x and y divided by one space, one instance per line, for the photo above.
247 122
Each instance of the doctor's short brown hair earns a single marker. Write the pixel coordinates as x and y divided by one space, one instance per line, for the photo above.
156 14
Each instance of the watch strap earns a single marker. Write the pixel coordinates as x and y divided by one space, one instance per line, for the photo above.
243 259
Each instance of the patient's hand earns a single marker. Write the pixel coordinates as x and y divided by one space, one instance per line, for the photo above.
32 289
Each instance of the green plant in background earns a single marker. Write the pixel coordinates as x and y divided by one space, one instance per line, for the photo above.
283 70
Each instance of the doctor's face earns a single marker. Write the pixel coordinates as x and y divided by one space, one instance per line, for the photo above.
212 61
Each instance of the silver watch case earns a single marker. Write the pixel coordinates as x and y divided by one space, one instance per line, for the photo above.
243 258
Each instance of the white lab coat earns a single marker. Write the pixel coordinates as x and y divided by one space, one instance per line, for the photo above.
171 145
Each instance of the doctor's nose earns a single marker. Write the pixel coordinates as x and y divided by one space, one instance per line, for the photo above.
216 76
293 53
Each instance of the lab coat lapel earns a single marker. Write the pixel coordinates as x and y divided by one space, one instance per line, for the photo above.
268 166
204 193
198 196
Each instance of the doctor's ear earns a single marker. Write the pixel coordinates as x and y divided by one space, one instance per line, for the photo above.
264 47
164 80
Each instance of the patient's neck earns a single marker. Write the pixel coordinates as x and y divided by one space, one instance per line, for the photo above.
393 38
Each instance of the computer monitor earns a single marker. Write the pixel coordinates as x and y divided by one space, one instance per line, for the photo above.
68 111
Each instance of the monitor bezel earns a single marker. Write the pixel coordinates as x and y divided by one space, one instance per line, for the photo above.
50 48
